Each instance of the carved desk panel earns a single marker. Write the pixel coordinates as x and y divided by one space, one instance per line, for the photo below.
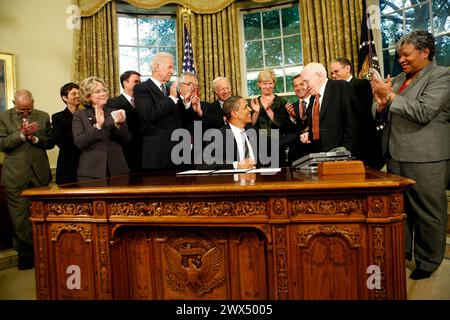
292 235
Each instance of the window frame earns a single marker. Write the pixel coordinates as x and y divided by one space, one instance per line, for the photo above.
137 16
242 41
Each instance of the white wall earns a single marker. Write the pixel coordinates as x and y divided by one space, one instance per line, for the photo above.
36 32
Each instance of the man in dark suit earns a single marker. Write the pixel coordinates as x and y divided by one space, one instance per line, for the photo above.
24 138
370 139
298 114
69 154
214 114
333 117
160 113
125 101
236 148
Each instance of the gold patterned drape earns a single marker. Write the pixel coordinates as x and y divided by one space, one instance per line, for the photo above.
89 7
96 49
216 47
330 29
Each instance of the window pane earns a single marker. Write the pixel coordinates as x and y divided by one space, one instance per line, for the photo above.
391 28
388 6
291 21
441 18
145 55
252 26
273 53
167 36
147 32
127 31
292 50
409 3
443 50
418 18
279 81
271 24
253 55
128 58
252 83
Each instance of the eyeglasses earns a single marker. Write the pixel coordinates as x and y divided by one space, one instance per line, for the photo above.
190 84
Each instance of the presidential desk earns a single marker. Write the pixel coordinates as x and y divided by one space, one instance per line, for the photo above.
290 235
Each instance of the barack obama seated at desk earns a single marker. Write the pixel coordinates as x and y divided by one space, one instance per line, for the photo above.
242 153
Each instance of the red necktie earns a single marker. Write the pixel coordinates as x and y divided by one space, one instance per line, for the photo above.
316 118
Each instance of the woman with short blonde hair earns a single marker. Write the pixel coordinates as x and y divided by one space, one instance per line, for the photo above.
99 131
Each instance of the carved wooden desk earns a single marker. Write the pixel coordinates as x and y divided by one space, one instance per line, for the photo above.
293 235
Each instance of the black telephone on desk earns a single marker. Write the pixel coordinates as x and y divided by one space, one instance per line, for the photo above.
310 161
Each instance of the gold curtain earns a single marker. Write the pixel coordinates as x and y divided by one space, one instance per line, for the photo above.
89 7
330 29
215 42
96 49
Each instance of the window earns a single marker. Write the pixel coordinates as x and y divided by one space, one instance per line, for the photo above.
271 39
399 17
141 37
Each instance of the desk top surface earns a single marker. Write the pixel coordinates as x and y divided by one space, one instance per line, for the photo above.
288 179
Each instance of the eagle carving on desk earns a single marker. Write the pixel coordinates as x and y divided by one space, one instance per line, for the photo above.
194 268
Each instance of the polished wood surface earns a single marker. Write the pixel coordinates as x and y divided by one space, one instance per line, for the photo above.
291 235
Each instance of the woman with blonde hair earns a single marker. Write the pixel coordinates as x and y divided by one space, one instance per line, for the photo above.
269 112
99 132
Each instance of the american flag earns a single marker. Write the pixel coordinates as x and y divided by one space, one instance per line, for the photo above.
188 58
367 56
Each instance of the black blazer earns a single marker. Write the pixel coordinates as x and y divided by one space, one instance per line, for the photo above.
213 115
69 154
132 149
339 125
296 148
159 116
370 138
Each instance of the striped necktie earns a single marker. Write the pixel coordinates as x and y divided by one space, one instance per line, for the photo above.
164 90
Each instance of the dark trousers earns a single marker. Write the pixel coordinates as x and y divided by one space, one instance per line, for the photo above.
426 210
19 211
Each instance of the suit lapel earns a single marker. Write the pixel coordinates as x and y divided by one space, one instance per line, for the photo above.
326 98
153 87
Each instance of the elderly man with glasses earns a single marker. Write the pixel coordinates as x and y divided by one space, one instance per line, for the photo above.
24 138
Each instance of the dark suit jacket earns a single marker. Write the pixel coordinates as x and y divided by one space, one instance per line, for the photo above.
132 149
213 115
23 158
370 139
227 151
159 117
339 125
296 148
101 149
69 154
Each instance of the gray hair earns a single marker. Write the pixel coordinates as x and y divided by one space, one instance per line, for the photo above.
216 80
316 67
187 74
22 93
159 59
421 40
